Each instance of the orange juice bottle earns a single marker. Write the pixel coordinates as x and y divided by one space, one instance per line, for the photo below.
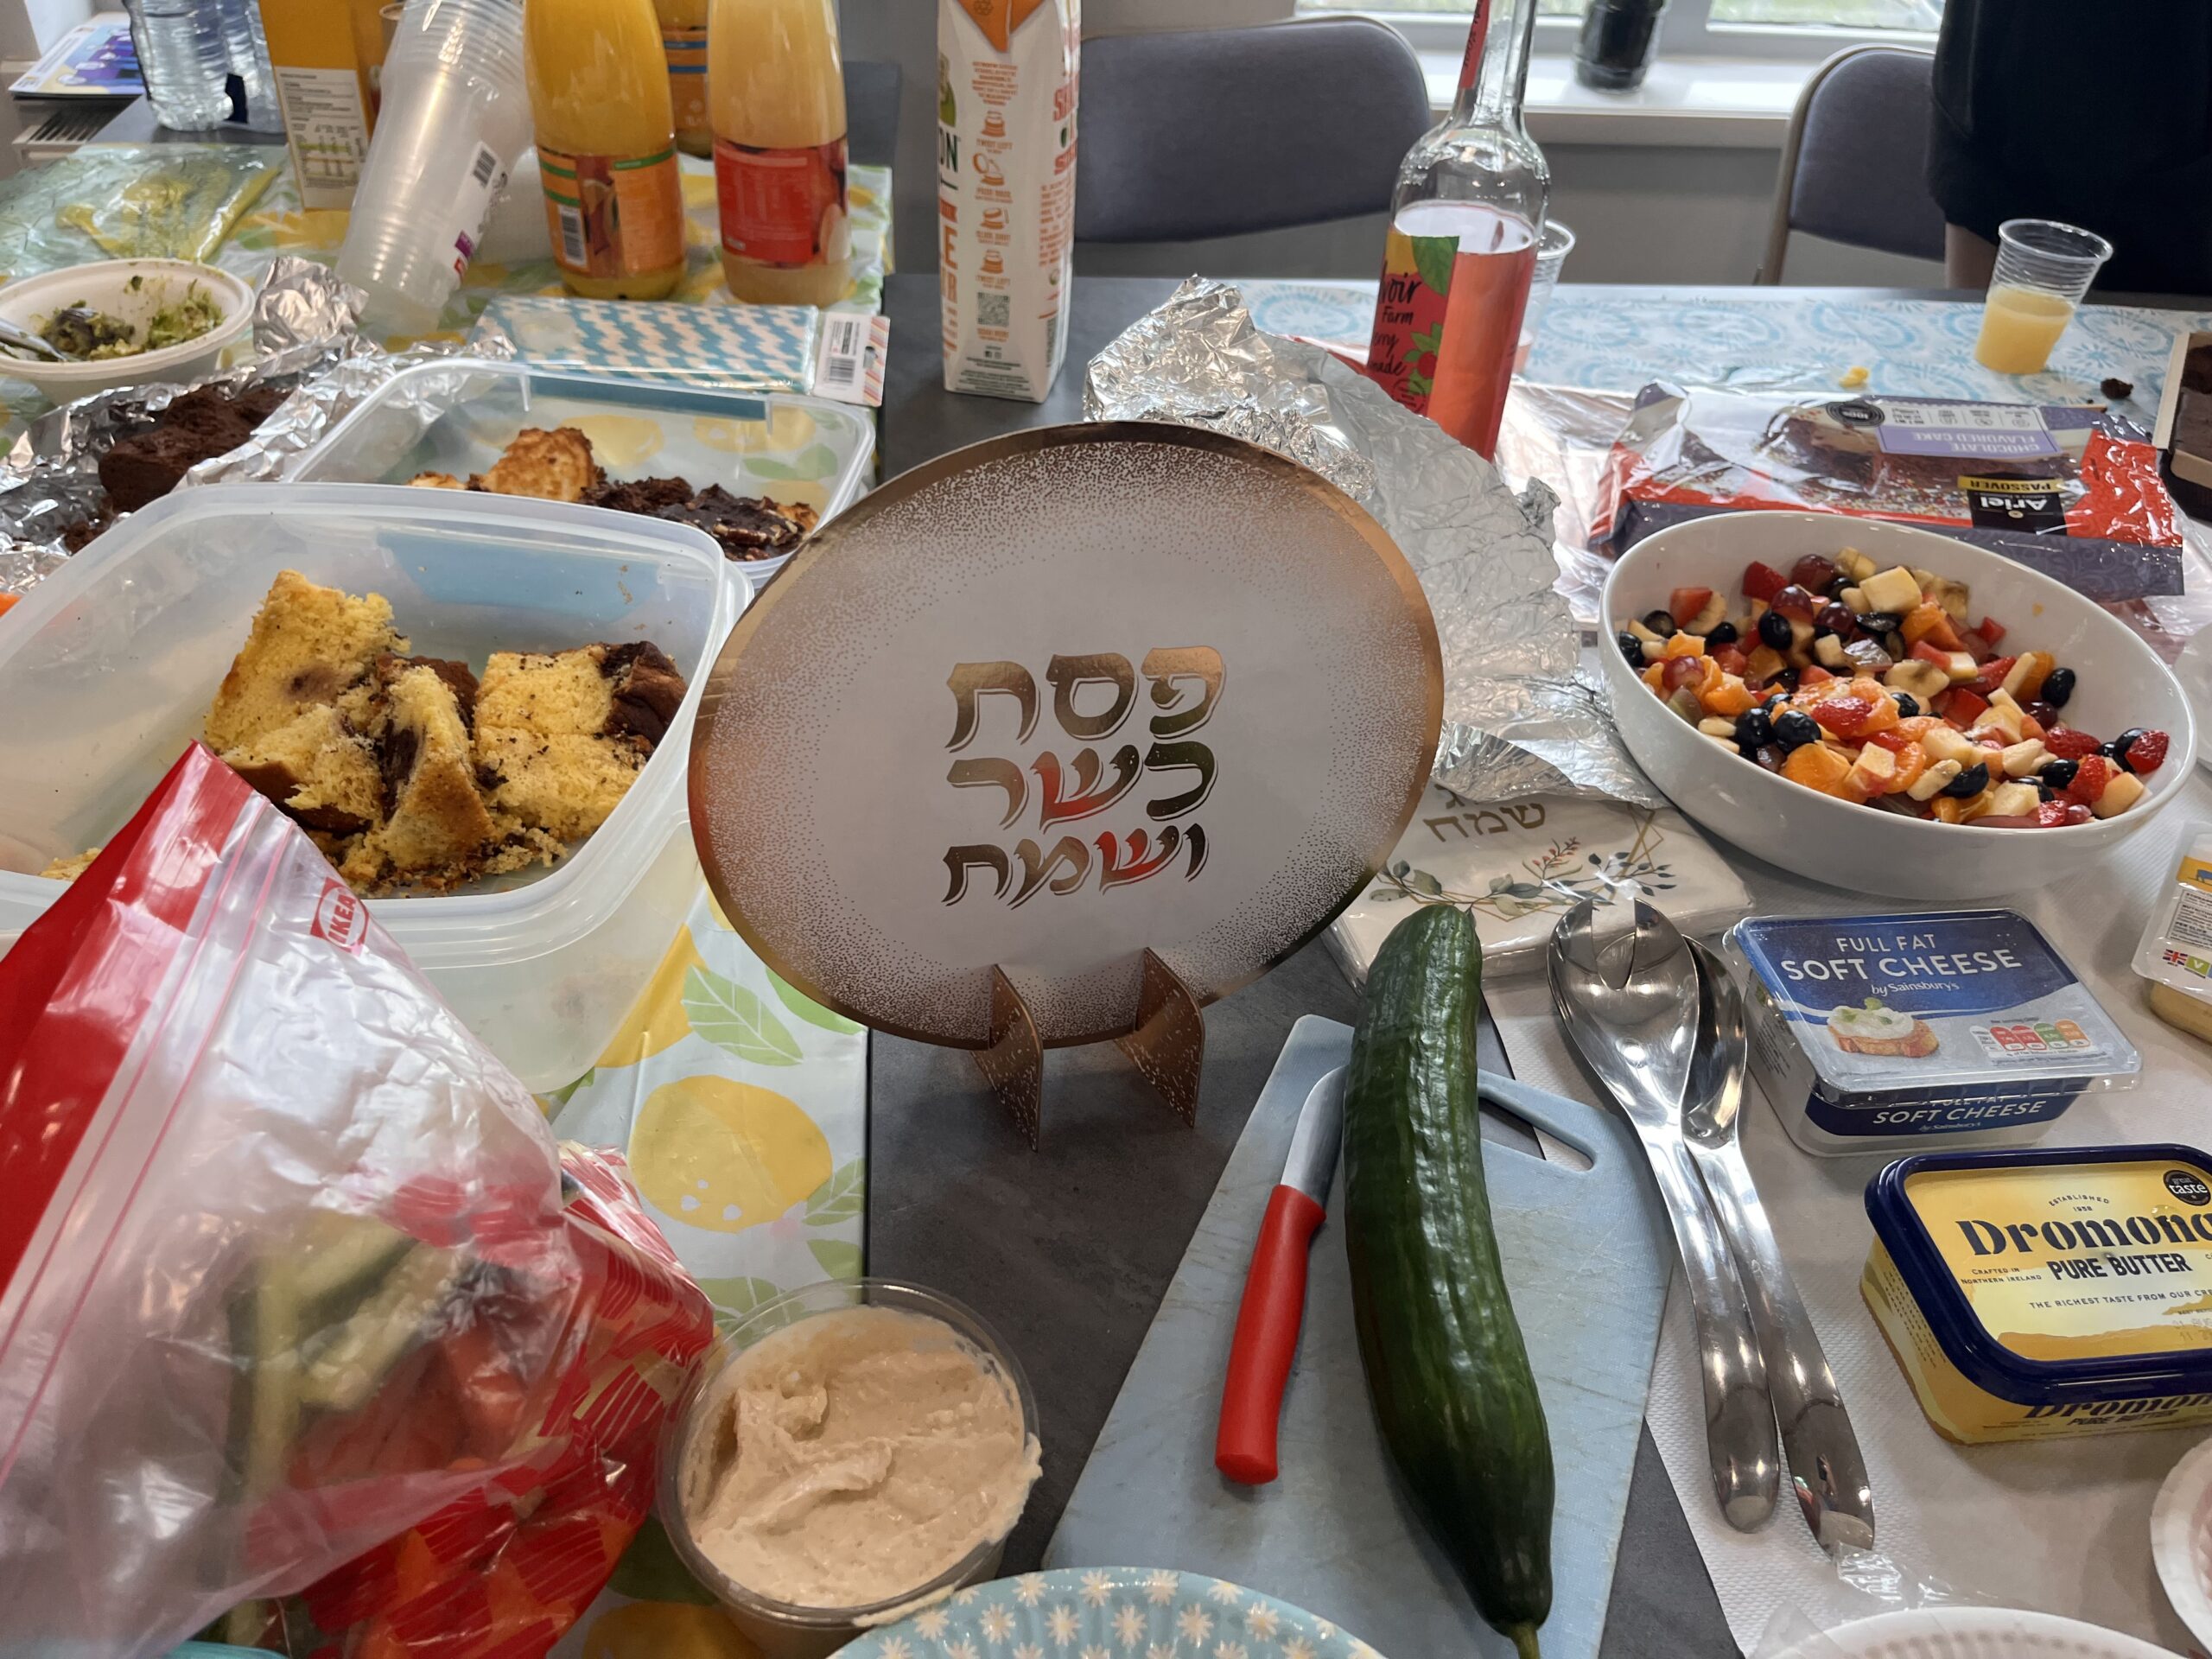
776 91
606 145
683 34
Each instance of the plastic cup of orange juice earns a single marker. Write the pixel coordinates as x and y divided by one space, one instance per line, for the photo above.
2043 267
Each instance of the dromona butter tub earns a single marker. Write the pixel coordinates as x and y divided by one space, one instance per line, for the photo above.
2030 1295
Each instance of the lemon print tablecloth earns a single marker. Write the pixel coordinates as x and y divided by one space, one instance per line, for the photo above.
743 1108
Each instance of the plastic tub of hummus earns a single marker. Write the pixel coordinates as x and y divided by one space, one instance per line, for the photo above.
851 1452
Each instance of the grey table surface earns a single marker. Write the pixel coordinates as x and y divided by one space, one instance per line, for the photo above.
1067 1251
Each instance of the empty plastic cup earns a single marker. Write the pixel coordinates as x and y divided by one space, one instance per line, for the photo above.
2043 267
1553 246
453 121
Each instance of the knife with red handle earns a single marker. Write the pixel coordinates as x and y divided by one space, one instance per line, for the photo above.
1275 1291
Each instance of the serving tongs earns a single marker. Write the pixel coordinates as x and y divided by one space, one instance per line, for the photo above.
1630 1008
1827 1471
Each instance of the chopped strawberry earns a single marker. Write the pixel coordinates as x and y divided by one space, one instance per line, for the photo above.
1992 674
1925 651
1763 581
1684 603
1989 629
1965 709
2069 744
1813 674
2147 752
1847 716
1731 658
2049 815
2090 778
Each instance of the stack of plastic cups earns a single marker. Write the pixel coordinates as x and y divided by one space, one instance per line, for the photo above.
454 121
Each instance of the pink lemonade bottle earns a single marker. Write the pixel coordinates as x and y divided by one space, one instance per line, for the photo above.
1462 251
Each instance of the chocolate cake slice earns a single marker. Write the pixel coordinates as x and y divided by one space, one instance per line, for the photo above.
197 426
308 645
564 733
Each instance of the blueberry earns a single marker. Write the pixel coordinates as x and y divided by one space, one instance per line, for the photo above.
1722 633
1834 589
1753 729
2045 792
1969 783
2118 748
1881 621
1908 705
1774 630
1631 647
2057 687
1795 728
1787 679
1661 623
2059 773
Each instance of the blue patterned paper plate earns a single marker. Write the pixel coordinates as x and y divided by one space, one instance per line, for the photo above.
1109 1612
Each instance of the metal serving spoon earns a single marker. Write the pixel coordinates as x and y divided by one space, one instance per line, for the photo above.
1630 1011
1827 1471
23 340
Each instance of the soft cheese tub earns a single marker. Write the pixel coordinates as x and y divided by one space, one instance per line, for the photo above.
1922 1030
2037 1293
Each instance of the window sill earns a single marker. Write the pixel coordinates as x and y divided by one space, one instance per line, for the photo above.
1708 103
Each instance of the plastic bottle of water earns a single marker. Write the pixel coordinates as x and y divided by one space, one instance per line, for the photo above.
248 53
182 56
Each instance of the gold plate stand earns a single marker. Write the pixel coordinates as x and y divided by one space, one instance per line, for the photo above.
1167 1045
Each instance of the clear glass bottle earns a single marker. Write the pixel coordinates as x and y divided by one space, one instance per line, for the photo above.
1465 219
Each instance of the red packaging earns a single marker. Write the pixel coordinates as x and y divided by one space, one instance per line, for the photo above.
296 1292
2072 491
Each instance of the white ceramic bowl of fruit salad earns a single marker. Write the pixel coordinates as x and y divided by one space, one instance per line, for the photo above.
1938 760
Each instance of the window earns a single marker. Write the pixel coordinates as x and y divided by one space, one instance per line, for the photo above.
1806 29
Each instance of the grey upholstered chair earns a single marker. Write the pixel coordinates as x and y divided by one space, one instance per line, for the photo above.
1855 168
1206 132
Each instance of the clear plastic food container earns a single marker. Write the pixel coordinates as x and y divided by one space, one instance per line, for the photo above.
107 668
455 415
1921 1029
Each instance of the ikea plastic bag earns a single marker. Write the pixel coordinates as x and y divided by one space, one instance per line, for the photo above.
296 1292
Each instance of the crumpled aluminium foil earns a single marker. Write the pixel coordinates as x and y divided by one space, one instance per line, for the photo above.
1521 715
307 339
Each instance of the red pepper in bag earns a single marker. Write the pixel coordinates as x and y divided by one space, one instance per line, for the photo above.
298 1298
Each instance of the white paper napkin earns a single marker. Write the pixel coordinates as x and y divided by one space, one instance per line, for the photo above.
2060 1526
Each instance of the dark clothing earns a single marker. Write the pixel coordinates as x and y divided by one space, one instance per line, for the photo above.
2097 113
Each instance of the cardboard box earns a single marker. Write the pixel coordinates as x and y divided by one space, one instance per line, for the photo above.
2183 434
326 55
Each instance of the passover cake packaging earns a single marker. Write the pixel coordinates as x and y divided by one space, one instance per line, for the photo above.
310 1335
2070 490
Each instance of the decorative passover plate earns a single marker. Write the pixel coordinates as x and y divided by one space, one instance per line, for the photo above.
1054 699
1111 1609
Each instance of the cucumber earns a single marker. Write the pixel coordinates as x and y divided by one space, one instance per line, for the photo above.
1446 1367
